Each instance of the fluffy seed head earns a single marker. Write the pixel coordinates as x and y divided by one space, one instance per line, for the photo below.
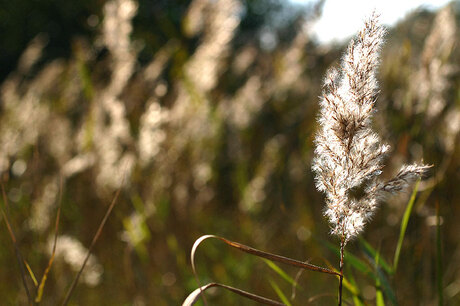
349 154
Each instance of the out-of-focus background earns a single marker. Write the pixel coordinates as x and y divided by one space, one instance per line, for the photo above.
203 114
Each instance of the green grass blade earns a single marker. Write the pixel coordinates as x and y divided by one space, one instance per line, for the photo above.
357 301
404 223
364 268
379 300
31 273
371 252
379 276
385 285
349 258
280 293
281 273
352 286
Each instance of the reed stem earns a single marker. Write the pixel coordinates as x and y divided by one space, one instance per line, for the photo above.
342 247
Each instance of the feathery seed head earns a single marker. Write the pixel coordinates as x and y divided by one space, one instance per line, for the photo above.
349 154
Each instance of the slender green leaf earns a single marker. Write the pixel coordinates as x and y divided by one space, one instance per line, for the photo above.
404 223
347 284
371 252
281 273
280 293
350 287
385 284
357 301
357 297
364 268
349 258
378 274
379 300
31 273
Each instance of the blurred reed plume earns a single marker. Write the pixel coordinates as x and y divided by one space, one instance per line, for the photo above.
110 137
349 154
431 82
72 252
430 93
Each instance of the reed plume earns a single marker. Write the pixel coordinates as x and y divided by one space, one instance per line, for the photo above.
349 154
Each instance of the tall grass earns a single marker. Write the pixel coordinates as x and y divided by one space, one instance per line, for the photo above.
214 134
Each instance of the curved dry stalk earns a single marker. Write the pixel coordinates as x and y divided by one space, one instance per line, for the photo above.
263 254
317 297
194 296
296 280
252 251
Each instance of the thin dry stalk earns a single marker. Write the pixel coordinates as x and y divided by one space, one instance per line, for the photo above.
39 296
19 257
93 242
